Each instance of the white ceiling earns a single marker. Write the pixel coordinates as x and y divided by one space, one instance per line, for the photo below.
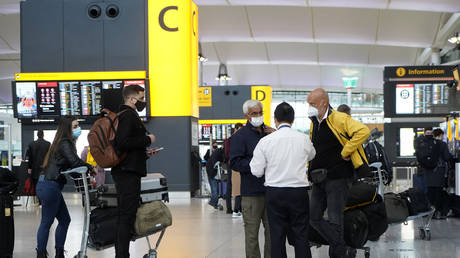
295 44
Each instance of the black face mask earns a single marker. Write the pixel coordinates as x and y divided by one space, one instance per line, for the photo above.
214 147
140 105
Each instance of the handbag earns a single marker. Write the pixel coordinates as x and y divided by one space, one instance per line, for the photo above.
29 187
318 175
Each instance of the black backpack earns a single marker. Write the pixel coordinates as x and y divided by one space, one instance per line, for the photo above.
427 152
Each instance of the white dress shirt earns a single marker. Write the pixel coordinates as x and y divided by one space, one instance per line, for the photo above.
282 156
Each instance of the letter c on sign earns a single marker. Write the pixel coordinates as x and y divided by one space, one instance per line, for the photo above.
161 18
257 95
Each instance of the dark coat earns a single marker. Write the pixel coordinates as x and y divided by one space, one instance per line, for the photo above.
64 159
36 155
243 143
216 155
131 138
437 176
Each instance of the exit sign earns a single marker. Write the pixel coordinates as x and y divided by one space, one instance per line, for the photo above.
350 82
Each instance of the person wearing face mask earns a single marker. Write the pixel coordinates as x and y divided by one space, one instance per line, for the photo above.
436 178
61 156
132 139
212 157
243 143
338 140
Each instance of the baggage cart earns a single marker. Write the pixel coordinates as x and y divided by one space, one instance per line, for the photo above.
82 184
377 181
425 218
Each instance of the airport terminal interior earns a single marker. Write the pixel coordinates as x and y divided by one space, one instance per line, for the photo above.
394 63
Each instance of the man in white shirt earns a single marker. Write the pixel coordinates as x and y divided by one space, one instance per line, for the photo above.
282 157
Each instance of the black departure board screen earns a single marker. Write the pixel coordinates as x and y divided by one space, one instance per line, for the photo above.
91 98
70 98
48 99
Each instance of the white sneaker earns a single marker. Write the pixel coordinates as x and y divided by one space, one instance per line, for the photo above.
237 215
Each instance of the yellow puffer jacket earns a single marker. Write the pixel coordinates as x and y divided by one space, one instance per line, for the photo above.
350 133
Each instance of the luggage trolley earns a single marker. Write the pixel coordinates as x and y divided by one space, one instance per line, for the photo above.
376 180
83 186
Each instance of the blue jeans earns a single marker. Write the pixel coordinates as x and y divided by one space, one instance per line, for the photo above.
53 206
214 197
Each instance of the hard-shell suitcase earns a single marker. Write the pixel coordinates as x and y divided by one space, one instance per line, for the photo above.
6 226
154 187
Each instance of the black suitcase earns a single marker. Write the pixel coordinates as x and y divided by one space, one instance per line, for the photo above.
6 226
102 227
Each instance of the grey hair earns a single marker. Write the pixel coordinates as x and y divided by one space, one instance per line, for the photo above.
251 103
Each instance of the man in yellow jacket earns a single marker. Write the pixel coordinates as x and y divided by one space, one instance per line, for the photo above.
338 140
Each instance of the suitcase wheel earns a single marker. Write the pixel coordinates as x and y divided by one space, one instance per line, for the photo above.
425 234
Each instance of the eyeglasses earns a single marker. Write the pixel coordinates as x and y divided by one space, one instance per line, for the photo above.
256 113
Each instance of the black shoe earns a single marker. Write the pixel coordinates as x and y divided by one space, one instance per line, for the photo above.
229 212
42 254
59 253
350 252
214 206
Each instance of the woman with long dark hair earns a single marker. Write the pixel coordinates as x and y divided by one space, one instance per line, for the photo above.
61 156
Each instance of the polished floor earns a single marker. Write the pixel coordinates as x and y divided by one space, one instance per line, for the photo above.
200 231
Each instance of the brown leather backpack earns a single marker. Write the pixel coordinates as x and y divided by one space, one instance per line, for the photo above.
101 140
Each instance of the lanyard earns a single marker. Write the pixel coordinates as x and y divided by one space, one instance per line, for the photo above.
284 126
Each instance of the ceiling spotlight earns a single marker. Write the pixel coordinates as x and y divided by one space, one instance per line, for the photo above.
455 39
223 76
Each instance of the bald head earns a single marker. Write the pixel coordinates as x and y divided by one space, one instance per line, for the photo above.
319 99
318 95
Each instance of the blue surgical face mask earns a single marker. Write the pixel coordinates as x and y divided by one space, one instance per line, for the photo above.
76 132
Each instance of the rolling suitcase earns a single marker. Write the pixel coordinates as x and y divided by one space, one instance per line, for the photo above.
6 226
154 187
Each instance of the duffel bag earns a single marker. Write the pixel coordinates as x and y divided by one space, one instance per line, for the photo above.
377 218
417 201
152 217
355 228
396 208
360 194
103 223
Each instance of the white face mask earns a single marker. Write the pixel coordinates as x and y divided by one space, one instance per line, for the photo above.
257 121
312 111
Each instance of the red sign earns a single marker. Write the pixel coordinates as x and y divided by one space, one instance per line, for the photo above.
46 84
138 82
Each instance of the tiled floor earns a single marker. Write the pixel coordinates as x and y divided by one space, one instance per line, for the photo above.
200 231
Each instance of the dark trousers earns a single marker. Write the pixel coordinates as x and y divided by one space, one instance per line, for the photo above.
330 194
128 186
53 206
287 210
237 207
439 199
228 194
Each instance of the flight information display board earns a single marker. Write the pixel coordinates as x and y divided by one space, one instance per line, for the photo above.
85 99
48 99
414 91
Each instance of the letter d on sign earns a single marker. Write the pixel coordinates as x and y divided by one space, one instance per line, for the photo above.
260 95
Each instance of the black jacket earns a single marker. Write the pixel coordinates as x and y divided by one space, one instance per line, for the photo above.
64 159
243 143
437 177
131 138
36 154
216 155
